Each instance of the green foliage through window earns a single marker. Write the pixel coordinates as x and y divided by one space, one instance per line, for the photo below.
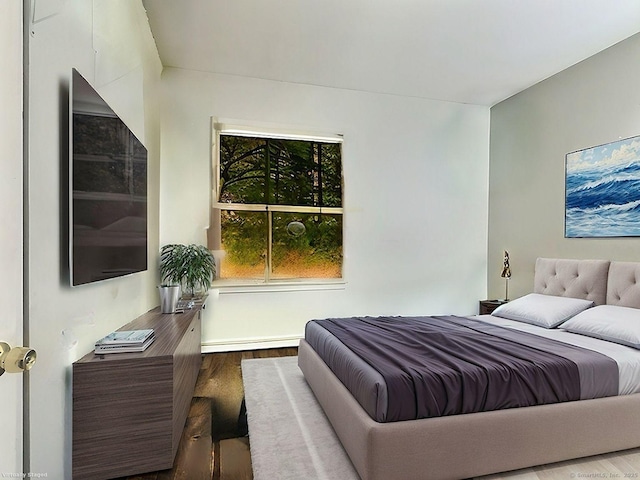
280 172
280 205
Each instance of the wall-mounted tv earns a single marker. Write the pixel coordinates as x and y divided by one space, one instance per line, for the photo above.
108 183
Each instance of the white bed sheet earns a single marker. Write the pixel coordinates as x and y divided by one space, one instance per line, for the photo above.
627 358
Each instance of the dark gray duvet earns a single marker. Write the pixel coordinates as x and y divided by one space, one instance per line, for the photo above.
404 368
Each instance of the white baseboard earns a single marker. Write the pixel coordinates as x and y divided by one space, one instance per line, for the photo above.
237 344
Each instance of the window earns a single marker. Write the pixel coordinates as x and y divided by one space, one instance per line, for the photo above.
277 207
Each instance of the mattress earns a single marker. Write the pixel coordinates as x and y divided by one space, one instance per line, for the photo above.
627 359
370 389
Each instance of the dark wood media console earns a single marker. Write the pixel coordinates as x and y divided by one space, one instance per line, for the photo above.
129 409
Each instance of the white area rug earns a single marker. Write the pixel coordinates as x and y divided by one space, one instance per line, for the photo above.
291 439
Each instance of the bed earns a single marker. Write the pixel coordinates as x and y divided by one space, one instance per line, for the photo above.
474 444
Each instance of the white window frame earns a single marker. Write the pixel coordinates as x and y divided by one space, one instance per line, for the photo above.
240 284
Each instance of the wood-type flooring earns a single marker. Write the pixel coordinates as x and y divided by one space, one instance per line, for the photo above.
214 444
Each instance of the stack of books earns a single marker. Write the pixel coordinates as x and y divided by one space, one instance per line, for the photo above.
125 341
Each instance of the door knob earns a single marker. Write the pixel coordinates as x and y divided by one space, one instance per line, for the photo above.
16 359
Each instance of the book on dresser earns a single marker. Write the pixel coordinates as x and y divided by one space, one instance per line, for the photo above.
125 341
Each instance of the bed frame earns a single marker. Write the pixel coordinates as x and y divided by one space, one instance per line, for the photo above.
475 444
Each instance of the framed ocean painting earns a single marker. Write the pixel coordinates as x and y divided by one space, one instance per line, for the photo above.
602 190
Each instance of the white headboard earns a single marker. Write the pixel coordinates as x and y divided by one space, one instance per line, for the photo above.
585 279
623 287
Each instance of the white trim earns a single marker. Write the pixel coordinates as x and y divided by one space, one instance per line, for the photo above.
215 167
256 343
297 285
261 207
243 131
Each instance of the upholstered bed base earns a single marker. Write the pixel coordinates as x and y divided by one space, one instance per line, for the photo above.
464 446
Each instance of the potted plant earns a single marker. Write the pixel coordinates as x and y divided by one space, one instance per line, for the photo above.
193 267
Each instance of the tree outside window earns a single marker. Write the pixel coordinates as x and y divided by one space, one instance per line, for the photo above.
277 209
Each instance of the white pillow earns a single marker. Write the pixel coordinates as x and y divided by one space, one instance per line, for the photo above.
546 311
608 322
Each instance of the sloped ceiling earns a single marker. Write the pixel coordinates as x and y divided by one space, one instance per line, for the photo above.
467 51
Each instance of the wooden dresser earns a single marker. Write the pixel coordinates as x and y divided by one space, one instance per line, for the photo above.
129 409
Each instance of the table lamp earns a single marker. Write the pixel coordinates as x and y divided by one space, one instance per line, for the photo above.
506 274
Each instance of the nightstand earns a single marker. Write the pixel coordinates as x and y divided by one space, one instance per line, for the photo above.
488 306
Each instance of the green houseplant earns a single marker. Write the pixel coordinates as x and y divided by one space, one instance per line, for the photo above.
193 267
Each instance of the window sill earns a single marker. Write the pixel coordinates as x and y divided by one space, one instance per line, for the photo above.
226 287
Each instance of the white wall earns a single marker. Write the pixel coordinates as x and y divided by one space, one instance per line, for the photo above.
415 198
594 102
110 43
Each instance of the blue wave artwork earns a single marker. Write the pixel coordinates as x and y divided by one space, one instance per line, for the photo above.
603 190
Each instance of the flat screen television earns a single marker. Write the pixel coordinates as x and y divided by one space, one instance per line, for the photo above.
108 184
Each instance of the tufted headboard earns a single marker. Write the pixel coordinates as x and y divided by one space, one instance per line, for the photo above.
623 287
585 279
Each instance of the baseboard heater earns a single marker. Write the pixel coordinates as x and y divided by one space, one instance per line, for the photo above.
236 344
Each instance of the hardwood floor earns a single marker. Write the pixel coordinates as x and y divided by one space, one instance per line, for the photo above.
214 444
